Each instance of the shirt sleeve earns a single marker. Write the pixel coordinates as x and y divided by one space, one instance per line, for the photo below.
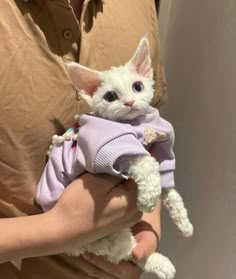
103 142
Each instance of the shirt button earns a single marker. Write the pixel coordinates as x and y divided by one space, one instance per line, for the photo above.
67 34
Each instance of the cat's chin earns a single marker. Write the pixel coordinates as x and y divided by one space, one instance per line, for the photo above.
122 115
133 114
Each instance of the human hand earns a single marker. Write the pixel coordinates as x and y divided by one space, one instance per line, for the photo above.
90 208
98 267
94 206
146 232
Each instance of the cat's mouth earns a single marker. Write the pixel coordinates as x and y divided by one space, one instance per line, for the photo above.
130 110
139 109
133 112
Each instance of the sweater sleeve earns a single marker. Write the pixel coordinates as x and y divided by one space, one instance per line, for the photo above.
103 142
163 152
111 152
60 170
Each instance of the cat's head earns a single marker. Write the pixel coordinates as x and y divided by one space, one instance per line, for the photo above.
121 93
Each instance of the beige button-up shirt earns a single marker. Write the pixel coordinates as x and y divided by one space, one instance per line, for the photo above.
38 100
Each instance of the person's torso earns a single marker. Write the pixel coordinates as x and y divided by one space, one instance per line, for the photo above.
37 97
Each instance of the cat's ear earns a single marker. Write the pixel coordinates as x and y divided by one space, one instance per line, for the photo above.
141 60
84 78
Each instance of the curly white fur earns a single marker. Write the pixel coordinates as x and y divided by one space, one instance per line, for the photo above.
143 169
174 204
145 172
118 246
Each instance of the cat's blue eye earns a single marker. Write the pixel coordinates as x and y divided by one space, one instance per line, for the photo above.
110 96
138 86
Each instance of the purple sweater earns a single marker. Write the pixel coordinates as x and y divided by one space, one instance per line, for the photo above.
101 143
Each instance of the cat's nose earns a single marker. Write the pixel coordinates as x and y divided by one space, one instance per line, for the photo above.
129 104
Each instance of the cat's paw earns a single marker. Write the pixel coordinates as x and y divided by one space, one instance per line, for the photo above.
186 230
161 266
166 271
147 206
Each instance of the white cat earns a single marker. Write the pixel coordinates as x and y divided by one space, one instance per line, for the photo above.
123 94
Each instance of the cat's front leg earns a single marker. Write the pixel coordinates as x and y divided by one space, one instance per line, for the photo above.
145 172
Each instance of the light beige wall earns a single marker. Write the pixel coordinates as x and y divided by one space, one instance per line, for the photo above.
200 58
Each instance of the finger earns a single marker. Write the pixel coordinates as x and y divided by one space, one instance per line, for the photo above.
124 196
125 187
107 181
91 269
123 270
121 192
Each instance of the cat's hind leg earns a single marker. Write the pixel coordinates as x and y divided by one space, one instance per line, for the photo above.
159 265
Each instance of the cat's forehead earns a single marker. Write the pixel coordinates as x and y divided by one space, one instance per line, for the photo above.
122 75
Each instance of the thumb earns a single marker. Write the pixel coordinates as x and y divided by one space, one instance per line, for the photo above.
147 243
138 252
